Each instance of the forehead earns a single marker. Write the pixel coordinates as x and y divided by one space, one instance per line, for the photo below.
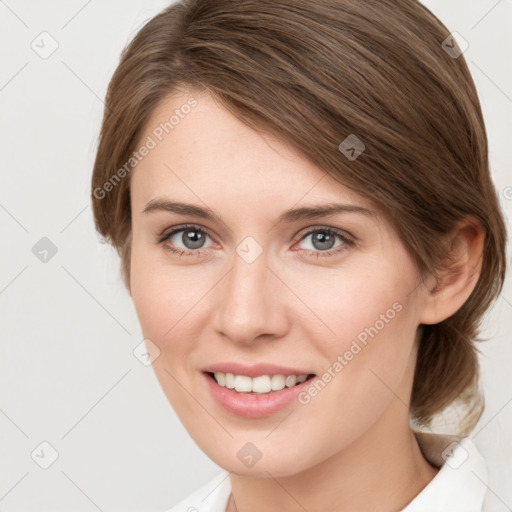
200 149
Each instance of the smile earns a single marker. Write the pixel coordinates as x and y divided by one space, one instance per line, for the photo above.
254 397
260 384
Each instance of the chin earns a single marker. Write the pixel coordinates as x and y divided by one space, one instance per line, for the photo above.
265 462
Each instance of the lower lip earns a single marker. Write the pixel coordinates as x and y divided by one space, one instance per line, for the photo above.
254 405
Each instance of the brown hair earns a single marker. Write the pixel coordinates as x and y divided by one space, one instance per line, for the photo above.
313 72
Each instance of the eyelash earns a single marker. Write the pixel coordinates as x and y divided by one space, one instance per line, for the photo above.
347 241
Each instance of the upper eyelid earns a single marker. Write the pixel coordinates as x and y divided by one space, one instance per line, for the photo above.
166 233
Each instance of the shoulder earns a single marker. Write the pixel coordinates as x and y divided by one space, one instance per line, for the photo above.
211 497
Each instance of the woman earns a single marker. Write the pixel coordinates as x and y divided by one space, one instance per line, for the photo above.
300 195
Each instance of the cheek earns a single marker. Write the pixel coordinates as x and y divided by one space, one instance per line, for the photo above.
366 368
360 302
372 318
153 293
167 299
164 300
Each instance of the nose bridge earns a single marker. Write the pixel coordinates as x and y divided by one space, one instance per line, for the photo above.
248 305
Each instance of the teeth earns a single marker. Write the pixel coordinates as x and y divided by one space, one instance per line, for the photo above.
243 384
230 381
221 378
290 381
260 384
278 382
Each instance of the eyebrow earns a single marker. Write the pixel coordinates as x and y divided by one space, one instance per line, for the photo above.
289 216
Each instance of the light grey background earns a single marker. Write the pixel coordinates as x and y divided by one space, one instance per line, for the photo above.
68 374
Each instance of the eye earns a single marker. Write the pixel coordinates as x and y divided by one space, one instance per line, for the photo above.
191 237
188 240
323 241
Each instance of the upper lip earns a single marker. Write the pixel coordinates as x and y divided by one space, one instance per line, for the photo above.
254 370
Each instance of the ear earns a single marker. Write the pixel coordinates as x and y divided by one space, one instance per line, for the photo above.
458 275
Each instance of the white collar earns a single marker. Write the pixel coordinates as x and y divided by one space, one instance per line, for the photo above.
461 483
459 486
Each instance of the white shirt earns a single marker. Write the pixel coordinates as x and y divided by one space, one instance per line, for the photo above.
459 486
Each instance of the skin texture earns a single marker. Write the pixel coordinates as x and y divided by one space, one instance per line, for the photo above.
351 446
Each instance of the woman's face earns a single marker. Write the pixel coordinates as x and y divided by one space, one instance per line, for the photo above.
254 291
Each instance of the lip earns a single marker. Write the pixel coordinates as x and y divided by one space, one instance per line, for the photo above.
255 370
254 405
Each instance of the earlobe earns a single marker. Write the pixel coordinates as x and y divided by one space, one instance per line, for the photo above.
458 274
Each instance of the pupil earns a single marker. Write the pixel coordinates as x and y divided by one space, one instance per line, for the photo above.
325 241
192 239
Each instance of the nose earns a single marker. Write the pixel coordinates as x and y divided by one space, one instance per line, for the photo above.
250 303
